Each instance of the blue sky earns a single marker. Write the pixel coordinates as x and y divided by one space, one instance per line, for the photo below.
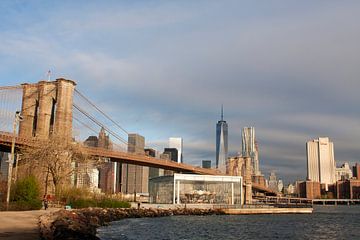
163 69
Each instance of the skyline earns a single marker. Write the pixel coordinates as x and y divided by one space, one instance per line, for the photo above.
287 69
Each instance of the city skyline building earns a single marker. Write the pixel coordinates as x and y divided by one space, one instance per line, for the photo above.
356 171
320 161
221 143
173 153
250 148
177 142
344 172
206 164
273 183
103 177
134 178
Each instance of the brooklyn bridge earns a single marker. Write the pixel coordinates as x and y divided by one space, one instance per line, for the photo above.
58 109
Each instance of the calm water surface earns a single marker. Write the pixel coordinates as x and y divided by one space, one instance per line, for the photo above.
341 222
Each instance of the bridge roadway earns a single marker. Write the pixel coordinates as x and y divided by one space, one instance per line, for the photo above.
125 157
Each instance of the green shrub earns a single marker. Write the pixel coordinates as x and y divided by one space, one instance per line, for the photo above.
26 195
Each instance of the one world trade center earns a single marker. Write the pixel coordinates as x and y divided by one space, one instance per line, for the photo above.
221 143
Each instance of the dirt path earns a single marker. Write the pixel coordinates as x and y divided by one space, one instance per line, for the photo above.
20 225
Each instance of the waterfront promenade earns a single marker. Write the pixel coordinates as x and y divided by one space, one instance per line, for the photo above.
18 225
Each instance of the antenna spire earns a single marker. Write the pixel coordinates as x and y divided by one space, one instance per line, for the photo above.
48 74
222 112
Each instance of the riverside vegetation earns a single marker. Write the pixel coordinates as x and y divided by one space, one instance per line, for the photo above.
26 195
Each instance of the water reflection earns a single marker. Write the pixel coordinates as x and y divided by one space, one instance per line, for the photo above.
329 223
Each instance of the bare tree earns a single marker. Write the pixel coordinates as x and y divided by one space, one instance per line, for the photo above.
52 160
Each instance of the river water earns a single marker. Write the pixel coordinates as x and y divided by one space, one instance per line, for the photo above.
327 222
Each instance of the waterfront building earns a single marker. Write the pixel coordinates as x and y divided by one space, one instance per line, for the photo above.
206 163
320 161
221 143
135 179
348 189
196 189
177 142
309 189
250 148
356 171
344 172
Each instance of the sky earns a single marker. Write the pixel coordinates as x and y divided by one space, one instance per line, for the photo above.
163 68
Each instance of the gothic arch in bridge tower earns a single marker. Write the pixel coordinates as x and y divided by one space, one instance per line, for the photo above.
47 109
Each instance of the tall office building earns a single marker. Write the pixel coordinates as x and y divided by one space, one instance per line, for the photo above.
176 142
320 161
173 153
103 177
221 143
250 148
135 178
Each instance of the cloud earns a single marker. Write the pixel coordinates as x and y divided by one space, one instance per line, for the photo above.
163 69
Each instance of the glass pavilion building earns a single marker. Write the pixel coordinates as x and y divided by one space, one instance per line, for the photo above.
196 189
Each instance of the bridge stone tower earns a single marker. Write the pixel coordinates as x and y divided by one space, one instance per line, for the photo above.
47 109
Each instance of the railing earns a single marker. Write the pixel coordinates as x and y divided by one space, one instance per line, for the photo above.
262 205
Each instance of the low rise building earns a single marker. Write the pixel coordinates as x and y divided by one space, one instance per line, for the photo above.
196 189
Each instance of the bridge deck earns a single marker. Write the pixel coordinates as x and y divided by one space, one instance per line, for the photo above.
131 158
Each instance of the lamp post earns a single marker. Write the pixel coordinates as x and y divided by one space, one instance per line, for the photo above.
17 118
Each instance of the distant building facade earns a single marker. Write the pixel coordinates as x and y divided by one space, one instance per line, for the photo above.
273 182
344 172
320 161
310 189
177 142
290 189
206 164
250 148
153 172
102 177
221 143
348 189
356 171
173 153
135 179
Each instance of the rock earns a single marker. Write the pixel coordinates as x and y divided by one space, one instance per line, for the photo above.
82 223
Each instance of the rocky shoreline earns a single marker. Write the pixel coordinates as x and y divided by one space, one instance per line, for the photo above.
82 223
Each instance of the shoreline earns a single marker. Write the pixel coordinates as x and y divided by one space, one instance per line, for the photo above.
83 223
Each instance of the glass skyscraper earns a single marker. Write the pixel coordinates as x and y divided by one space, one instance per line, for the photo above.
221 143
